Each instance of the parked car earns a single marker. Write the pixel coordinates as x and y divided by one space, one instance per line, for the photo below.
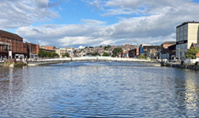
19 57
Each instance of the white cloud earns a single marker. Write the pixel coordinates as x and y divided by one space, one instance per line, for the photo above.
98 4
149 22
17 13
81 47
111 12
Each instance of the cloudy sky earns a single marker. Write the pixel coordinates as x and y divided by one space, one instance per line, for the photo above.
66 23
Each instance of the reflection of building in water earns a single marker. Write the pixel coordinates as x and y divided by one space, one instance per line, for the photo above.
187 93
191 95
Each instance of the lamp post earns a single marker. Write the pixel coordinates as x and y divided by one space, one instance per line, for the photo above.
30 50
10 49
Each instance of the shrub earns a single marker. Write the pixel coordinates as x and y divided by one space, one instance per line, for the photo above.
191 53
141 57
116 51
105 54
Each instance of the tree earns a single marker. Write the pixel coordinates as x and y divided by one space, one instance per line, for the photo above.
107 47
141 57
42 53
116 51
48 54
105 54
54 54
191 53
66 55
96 54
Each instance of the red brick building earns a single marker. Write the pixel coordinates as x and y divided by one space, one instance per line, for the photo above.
134 53
32 49
48 47
14 43
11 42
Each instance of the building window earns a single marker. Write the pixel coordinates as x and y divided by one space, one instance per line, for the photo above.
5 48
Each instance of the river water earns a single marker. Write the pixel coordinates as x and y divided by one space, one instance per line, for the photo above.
98 89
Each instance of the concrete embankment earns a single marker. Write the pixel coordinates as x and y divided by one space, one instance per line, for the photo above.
1 63
184 66
62 60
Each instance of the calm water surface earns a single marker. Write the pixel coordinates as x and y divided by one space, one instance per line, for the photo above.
98 89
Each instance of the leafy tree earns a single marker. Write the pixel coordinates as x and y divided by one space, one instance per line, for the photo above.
54 54
66 55
191 53
116 51
96 54
107 47
142 57
42 53
48 54
105 54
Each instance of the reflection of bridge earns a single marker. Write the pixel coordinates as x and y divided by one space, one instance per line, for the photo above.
61 60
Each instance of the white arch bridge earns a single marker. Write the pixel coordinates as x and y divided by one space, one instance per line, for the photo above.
99 58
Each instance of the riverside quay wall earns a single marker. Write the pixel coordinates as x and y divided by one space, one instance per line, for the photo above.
182 66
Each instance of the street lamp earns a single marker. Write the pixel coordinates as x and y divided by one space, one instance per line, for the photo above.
30 51
10 49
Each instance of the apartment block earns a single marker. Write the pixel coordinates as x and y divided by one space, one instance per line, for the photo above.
61 51
186 34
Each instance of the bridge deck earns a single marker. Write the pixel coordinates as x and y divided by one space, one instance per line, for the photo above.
61 60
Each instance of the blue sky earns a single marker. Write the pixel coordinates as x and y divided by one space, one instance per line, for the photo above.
75 23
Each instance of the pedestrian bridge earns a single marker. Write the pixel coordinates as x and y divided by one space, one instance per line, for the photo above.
99 58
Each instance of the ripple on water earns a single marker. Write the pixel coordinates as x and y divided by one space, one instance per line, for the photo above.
103 89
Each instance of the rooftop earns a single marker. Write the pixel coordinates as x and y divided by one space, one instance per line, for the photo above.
184 23
169 42
196 45
10 35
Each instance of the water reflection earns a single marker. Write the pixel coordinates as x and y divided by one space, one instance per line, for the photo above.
105 89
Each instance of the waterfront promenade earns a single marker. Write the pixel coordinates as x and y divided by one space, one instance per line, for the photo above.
62 60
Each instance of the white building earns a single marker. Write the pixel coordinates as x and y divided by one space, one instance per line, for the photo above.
61 51
186 34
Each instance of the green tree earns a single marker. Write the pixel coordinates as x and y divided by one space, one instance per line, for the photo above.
54 54
42 53
66 55
142 57
48 54
88 54
107 47
116 51
191 53
96 54
105 54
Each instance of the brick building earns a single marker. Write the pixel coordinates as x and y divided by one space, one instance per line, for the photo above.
166 50
134 53
48 47
11 42
150 51
32 49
